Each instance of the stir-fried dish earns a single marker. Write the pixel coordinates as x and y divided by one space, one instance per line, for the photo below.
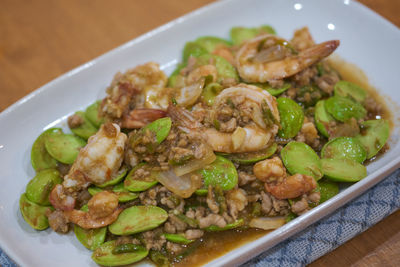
246 133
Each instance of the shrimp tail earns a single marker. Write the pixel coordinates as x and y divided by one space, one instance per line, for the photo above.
84 220
140 117
292 186
317 52
182 117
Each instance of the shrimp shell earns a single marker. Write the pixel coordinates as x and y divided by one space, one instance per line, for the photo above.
84 220
99 161
140 117
254 140
279 69
60 200
252 94
292 186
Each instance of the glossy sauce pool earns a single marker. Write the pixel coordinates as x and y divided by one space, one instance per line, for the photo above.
214 245
354 74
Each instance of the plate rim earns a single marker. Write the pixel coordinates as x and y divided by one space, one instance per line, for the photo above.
283 232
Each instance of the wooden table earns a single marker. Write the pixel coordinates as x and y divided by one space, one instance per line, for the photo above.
39 40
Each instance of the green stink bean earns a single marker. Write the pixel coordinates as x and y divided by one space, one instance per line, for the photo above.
241 34
292 117
344 148
117 179
123 194
126 248
300 158
93 115
193 49
90 238
211 43
322 118
159 129
63 147
34 214
93 190
176 80
39 188
86 129
40 158
142 183
103 255
343 170
373 136
343 109
253 157
210 92
224 68
221 172
327 190
138 219
348 89
273 91
178 238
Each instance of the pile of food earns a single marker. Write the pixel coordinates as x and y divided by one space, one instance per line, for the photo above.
246 133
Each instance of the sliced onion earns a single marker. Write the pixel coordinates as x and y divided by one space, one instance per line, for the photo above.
188 95
196 164
183 186
267 223
238 138
273 53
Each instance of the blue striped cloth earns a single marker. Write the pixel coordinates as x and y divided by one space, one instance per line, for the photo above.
327 234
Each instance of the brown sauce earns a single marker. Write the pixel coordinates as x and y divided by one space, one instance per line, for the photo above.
215 245
350 72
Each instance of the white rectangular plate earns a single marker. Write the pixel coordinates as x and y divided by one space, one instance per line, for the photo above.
366 39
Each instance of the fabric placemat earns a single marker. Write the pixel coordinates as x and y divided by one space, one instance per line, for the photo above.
326 234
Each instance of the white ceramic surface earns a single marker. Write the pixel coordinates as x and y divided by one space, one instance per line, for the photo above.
366 40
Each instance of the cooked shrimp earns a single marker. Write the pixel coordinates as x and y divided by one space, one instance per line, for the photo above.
226 53
292 186
269 169
188 95
278 61
192 87
252 137
252 100
202 71
99 161
157 97
278 183
131 88
139 117
102 211
60 200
